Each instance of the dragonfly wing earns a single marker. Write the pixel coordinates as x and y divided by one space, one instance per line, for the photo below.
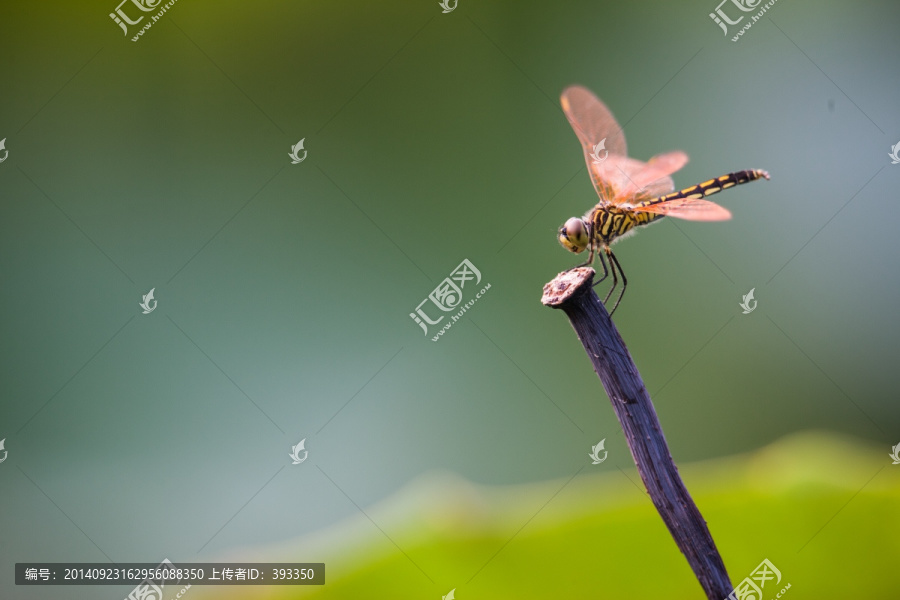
670 162
690 209
594 124
633 181
658 170
614 178
617 178
592 121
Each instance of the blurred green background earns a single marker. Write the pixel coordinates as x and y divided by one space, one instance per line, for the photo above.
284 292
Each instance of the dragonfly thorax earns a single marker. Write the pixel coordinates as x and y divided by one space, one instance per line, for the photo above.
611 223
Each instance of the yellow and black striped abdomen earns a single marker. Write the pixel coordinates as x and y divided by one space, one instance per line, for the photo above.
611 221
708 188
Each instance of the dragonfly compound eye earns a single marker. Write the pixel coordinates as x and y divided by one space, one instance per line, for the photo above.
573 235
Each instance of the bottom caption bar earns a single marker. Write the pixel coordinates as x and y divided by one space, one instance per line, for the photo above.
166 572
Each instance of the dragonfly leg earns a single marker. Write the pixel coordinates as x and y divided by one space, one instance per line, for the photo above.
612 267
605 270
615 261
586 263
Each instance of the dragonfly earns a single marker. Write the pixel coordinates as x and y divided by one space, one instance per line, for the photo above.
632 193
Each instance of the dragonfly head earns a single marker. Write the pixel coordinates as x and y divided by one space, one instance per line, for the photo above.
574 235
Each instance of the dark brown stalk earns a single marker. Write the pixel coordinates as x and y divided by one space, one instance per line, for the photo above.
572 292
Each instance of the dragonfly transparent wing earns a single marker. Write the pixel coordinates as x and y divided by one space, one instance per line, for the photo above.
691 209
616 178
594 124
632 181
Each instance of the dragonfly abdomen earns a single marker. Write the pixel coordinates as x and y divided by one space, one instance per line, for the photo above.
708 188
